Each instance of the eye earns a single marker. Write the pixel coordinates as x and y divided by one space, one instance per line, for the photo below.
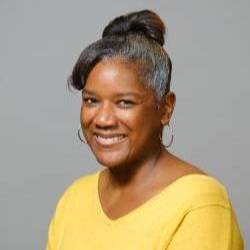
126 103
89 101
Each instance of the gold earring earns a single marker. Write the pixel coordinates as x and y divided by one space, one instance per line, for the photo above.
171 137
79 136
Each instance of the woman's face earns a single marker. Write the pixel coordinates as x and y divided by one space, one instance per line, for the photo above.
119 116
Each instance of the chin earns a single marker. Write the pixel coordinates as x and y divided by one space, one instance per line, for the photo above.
111 156
111 160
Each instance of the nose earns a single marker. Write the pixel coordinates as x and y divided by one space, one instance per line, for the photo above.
105 117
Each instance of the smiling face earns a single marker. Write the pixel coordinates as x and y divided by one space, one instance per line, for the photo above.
119 115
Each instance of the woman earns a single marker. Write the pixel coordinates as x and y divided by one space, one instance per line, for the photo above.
145 198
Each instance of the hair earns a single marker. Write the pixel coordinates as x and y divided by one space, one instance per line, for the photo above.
137 37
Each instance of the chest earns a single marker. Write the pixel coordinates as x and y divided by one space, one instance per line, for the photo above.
147 229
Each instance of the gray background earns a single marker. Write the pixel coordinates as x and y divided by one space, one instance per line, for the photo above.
208 42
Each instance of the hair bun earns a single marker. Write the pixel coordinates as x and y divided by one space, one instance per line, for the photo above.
143 22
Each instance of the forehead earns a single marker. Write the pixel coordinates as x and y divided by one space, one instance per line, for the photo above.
115 74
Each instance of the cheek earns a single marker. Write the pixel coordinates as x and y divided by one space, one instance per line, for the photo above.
130 118
86 116
143 121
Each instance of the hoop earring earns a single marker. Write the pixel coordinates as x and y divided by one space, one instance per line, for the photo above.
171 137
79 136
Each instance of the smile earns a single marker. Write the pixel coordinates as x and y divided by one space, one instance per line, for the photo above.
109 140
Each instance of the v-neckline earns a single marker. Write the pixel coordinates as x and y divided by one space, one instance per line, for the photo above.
149 202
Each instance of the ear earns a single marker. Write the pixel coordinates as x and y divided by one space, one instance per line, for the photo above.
168 104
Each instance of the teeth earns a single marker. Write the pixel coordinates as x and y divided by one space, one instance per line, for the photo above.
109 140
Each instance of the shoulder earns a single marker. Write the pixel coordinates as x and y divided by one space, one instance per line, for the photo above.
81 185
78 190
200 190
195 187
206 206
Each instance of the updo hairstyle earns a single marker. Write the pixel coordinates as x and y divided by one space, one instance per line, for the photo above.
137 38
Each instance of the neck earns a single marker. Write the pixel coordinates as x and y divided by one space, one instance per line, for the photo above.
136 174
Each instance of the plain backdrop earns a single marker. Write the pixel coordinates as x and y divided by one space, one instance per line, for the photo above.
209 43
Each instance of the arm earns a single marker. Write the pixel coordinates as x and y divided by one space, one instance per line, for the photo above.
57 223
212 227
50 239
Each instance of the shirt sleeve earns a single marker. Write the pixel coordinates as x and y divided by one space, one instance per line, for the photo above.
50 238
57 223
212 227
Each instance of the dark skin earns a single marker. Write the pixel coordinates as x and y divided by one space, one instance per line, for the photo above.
138 166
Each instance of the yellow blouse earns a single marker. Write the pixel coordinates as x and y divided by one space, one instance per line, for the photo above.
194 212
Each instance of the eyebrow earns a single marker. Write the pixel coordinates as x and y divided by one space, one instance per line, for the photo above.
89 92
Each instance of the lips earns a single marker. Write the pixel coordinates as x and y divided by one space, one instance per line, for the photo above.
109 139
